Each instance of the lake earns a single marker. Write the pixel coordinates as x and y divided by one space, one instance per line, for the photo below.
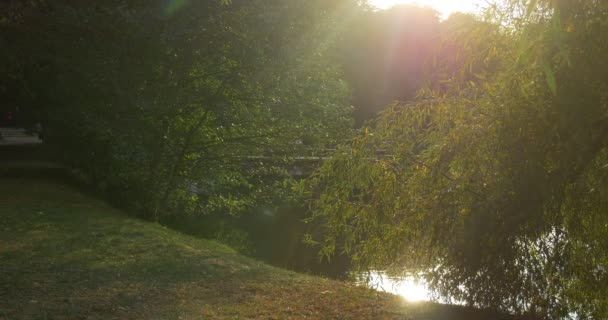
410 288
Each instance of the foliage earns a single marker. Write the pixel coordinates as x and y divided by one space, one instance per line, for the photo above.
492 181
171 106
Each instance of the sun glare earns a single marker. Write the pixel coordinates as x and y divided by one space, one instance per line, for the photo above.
444 7
409 288
412 291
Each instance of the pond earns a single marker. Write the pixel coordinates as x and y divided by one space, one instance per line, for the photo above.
410 288
276 237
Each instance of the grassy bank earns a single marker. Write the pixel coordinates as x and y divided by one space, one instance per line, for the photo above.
65 255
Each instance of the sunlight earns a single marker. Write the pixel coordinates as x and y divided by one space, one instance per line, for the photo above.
409 288
445 7
412 290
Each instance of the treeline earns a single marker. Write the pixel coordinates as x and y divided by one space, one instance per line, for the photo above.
162 104
488 177
166 105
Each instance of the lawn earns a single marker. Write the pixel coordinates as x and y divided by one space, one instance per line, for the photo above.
66 255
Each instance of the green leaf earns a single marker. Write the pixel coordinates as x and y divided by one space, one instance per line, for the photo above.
556 25
531 6
550 77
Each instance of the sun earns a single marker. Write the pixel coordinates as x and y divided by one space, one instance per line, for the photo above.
444 7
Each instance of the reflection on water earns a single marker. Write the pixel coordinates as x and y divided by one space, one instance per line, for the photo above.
412 289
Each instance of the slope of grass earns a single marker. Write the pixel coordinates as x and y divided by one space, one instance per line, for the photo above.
64 255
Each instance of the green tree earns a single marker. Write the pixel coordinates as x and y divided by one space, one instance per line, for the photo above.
168 106
492 183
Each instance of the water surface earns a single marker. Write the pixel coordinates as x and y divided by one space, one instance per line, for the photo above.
410 288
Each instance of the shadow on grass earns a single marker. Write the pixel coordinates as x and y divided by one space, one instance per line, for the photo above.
69 256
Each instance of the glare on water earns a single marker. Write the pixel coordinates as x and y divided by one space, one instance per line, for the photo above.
410 288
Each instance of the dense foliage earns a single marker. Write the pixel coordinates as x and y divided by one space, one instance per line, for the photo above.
180 106
492 183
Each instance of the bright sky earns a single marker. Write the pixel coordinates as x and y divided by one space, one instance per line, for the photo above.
445 7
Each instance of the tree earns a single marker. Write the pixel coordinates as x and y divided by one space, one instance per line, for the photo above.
166 107
492 183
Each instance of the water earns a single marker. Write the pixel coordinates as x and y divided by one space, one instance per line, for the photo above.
410 288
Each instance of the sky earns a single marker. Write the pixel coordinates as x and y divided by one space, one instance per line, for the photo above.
445 7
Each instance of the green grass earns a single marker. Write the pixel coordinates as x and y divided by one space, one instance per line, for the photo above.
65 255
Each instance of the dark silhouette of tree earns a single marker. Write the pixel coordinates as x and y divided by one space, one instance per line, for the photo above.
162 104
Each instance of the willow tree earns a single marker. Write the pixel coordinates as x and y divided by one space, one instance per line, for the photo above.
493 182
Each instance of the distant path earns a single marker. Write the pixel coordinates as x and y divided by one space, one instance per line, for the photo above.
17 136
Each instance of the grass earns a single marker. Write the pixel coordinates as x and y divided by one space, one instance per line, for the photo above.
66 255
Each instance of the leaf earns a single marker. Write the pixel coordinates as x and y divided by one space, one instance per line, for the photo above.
570 27
531 6
550 77
526 46
556 25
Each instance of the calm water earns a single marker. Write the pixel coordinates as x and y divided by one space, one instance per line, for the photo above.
410 288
